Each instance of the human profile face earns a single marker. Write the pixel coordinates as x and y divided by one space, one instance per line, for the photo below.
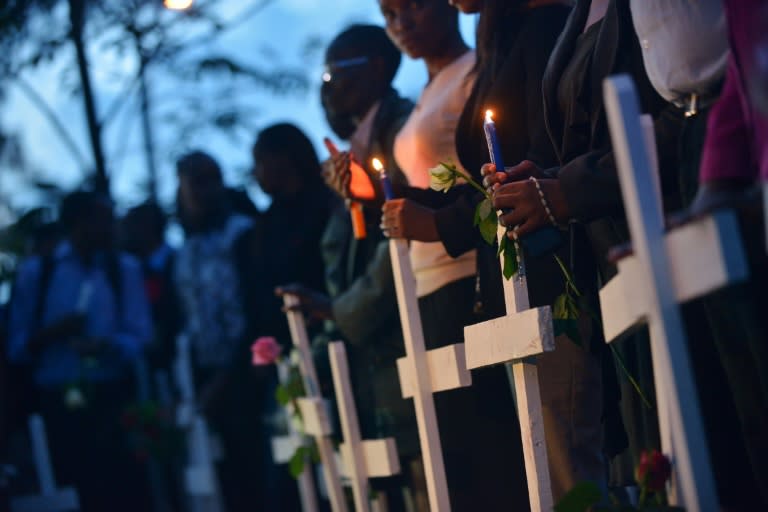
348 81
419 28
276 174
201 192
467 6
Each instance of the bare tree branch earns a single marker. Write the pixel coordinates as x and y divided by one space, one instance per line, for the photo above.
51 116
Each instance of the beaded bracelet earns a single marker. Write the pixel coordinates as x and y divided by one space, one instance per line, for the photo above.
544 202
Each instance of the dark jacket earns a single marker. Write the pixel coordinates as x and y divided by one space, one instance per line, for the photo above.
587 171
346 258
365 304
513 92
289 251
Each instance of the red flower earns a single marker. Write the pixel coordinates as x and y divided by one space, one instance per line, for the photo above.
265 351
653 471
154 289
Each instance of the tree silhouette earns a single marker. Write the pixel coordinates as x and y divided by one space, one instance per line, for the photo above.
35 33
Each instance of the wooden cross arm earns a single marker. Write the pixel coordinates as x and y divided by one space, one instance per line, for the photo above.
704 256
447 370
380 456
314 414
509 338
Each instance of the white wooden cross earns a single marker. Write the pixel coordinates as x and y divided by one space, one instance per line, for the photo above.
665 270
200 479
314 410
423 373
362 459
283 448
51 498
515 339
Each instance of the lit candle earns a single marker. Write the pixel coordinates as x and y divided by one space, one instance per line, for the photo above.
494 150
386 183
544 239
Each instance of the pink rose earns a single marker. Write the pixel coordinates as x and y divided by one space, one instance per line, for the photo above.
265 351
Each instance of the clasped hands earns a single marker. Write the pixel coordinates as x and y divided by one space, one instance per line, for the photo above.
514 191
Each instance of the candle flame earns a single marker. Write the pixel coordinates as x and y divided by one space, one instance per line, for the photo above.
177 5
489 116
377 164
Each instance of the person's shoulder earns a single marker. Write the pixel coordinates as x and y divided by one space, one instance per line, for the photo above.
466 62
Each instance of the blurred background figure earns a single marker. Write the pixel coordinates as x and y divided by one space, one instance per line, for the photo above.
215 273
79 316
287 168
142 233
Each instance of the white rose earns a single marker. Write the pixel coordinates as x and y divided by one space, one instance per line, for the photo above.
442 177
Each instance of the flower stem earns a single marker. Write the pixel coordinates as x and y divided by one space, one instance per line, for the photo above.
467 178
631 379
567 275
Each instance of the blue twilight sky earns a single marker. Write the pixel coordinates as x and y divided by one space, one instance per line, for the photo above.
278 34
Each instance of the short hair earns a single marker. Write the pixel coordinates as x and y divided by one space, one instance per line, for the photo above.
77 206
288 140
150 215
195 161
372 41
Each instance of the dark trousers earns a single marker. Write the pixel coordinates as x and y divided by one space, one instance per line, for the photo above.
248 479
89 449
479 430
740 335
729 353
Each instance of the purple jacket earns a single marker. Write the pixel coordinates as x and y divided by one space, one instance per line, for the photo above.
737 133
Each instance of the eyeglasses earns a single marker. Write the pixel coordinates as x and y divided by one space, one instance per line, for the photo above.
337 65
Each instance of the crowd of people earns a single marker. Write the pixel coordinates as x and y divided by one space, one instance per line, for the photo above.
96 310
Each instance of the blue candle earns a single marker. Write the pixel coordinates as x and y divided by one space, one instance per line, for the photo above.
545 239
386 183
494 150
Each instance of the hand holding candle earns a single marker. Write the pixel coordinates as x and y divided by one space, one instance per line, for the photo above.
544 239
355 208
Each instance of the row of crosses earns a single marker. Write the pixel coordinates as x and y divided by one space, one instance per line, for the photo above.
661 273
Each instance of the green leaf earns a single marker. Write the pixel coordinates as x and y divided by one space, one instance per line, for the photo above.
282 395
502 245
489 227
559 309
298 461
569 328
510 258
580 498
485 209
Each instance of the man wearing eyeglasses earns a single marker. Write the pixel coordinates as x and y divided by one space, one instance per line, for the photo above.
362 107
